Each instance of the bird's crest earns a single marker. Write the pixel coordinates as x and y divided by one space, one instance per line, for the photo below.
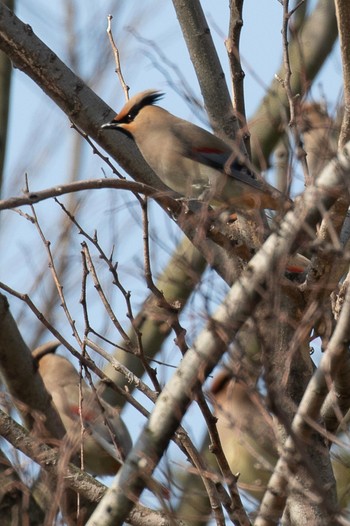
45 348
136 103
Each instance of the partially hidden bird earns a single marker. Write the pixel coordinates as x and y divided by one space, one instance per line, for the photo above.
246 432
106 440
190 160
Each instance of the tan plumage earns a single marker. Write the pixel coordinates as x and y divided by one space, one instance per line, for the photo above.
245 430
320 136
190 160
106 440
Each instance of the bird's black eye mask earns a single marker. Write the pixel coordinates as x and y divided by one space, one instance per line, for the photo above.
129 117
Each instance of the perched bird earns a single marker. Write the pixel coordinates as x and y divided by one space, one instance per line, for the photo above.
106 440
320 135
190 160
246 434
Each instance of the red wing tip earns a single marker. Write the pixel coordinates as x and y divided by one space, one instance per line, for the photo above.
295 269
208 150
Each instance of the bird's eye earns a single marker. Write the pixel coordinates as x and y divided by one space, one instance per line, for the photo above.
129 117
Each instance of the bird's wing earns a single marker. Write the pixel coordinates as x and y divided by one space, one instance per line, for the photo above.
205 148
104 439
220 160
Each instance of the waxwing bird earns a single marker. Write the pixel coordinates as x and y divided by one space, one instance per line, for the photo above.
320 135
106 440
246 434
190 160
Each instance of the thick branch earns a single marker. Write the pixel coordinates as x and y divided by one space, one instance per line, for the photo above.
33 401
33 197
207 66
29 54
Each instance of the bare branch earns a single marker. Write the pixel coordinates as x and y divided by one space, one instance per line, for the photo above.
31 198
208 69
115 50
232 46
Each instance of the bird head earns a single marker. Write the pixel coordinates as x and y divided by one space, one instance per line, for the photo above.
125 120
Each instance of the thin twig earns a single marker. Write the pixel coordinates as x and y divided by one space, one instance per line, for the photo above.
293 99
117 58
103 297
112 267
172 310
55 276
237 73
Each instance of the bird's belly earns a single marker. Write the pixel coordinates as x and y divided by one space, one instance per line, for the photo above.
192 180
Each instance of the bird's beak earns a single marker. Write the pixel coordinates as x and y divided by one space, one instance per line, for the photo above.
109 125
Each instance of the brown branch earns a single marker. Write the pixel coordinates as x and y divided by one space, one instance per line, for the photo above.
115 50
33 197
237 73
107 306
172 310
5 85
208 69
292 97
